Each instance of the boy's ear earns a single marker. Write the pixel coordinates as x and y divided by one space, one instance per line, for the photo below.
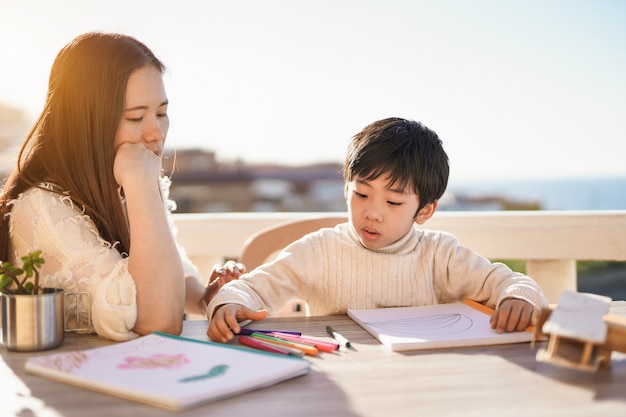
426 212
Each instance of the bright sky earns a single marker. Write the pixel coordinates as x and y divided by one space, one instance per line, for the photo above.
515 89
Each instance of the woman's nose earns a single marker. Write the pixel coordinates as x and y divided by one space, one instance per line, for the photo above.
155 131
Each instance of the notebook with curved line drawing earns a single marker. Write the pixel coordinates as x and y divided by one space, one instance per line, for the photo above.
431 327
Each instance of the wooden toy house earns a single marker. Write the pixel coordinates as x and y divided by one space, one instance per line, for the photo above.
581 332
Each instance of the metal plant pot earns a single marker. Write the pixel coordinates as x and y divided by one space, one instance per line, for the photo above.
33 322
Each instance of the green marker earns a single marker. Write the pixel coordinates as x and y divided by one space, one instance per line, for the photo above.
338 337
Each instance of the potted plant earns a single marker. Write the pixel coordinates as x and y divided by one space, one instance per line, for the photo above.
32 316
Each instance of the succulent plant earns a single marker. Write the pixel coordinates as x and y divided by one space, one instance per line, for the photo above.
24 280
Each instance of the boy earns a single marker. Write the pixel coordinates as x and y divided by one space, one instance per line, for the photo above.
395 172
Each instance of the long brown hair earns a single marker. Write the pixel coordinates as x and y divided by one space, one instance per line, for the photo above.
71 144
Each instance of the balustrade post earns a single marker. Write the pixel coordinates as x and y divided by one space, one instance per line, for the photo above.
554 276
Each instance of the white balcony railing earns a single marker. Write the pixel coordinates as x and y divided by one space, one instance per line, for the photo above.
549 241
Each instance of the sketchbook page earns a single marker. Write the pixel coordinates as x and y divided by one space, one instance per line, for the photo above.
429 327
167 371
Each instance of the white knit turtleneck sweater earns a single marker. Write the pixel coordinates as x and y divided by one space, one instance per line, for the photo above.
332 271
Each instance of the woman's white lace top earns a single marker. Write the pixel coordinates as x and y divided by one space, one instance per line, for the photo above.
77 259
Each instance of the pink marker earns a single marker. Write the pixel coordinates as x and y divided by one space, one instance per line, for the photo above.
319 344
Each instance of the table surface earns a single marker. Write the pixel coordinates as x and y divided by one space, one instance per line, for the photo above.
365 380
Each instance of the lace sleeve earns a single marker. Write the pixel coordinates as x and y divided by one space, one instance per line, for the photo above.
76 259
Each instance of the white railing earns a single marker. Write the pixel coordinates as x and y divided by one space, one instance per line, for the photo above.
549 241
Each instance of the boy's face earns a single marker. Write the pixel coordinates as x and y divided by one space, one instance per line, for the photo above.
379 213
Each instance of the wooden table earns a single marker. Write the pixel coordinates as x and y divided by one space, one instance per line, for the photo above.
367 380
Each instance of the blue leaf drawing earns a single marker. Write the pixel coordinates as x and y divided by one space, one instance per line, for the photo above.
217 370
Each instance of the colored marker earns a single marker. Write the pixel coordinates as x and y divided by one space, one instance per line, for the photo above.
248 332
322 345
308 349
338 337
268 347
289 350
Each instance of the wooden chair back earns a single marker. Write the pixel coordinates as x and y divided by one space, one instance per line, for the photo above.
266 243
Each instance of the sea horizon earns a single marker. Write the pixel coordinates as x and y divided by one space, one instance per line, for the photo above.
582 193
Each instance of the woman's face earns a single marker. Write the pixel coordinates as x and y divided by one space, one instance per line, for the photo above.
145 118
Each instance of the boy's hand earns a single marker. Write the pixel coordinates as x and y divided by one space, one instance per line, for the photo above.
220 275
225 322
512 315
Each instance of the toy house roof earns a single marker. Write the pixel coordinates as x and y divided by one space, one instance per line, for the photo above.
579 316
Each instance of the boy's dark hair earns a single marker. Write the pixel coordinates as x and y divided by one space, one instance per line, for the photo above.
405 151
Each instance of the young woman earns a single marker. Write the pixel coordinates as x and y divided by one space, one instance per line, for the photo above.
88 192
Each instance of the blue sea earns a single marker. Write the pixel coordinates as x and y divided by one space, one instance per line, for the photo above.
552 194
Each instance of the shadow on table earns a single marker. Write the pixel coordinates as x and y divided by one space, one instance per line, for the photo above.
606 384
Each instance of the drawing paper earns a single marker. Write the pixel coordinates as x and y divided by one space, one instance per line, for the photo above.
167 371
436 326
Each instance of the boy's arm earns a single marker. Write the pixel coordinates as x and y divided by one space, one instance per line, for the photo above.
272 285
470 275
239 292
